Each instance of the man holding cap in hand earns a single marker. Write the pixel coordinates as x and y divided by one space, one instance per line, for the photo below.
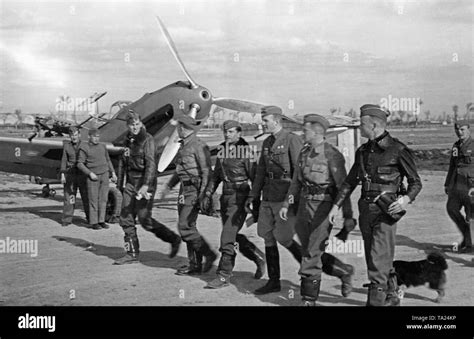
380 164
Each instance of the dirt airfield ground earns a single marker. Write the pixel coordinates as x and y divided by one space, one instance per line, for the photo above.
74 267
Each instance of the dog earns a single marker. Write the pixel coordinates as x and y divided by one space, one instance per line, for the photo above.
417 273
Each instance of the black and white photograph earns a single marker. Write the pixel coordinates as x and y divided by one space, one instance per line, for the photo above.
163 155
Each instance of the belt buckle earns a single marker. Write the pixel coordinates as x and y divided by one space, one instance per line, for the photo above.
270 175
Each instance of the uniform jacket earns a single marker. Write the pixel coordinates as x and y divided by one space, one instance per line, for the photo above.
138 162
70 156
320 171
277 161
461 166
233 164
94 158
387 161
193 164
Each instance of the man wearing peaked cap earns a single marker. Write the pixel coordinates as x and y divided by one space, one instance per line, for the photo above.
274 110
316 118
273 177
228 124
320 171
72 178
459 184
235 163
188 122
381 164
193 171
374 111
137 181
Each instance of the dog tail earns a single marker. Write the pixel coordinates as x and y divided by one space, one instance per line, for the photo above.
438 259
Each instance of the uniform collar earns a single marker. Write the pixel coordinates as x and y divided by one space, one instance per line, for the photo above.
465 143
384 140
280 134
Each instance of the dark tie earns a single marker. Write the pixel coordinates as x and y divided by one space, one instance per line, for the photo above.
271 140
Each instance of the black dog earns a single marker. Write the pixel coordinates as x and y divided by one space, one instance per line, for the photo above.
417 273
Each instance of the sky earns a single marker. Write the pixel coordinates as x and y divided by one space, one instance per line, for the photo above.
304 56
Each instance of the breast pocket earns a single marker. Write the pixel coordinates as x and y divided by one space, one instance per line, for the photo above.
387 173
319 173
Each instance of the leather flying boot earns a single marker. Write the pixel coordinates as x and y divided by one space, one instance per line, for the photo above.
164 233
251 252
335 267
310 291
273 268
132 247
376 295
195 262
202 247
296 250
219 282
392 291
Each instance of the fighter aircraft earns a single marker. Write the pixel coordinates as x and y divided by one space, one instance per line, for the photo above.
40 157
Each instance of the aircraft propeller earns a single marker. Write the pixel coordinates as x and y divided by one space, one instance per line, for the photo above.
172 145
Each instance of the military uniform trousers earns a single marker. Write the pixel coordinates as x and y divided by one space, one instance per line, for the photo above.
378 233
188 210
456 201
233 216
272 228
141 209
313 229
74 180
97 193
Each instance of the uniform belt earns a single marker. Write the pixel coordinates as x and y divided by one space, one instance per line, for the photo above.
234 184
368 186
271 175
318 197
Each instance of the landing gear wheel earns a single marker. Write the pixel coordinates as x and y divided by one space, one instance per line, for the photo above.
52 193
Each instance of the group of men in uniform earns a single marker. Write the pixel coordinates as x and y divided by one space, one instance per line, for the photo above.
301 185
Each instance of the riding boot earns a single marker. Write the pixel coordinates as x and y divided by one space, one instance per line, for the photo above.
335 267
195 262
273 268
133 249
251 252
310 290
296 250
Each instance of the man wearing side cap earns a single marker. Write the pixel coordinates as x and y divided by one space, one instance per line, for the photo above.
235 164
380 164
94 161
275 169
193 171
459 183
319 173
72 178
137 169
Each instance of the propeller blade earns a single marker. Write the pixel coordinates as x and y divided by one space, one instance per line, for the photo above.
174 51
238 105
169 152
